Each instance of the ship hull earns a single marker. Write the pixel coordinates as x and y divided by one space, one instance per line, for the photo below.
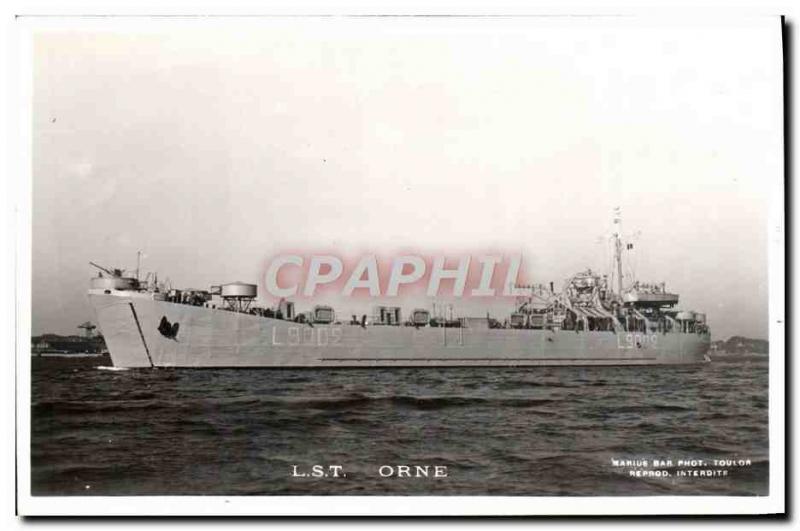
207 337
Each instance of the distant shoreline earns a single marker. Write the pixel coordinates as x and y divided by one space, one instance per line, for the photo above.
740 345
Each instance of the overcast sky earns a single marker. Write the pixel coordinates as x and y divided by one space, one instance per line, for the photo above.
214 148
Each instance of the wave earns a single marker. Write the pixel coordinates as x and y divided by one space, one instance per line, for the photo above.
652 407
414 402
73 356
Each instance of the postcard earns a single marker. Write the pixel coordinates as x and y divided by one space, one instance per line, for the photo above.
378 265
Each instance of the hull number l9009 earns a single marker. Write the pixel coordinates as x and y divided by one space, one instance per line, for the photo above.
306 336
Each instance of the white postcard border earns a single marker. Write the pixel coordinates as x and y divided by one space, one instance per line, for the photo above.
19 102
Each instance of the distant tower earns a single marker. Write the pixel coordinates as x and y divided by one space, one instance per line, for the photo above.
88 329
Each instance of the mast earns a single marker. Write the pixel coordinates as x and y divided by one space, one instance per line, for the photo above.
138 263
618 248
618 260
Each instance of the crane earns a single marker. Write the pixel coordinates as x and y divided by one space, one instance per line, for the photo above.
113 272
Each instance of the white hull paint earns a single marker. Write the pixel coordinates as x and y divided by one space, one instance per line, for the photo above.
218 338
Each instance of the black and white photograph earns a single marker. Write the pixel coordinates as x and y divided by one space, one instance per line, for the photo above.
406 265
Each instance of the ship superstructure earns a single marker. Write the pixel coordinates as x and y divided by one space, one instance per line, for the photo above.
586 322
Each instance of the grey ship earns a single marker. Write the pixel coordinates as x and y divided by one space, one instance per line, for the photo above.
585 323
